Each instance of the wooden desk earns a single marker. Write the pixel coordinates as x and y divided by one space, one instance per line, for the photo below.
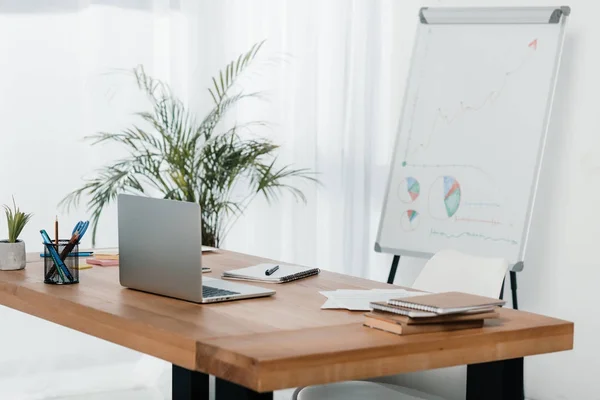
257 346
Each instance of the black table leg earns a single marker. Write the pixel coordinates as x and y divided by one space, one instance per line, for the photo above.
193 385
228 390
498 380
189 385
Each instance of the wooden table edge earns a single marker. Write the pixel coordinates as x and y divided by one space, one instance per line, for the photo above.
211 355
270 375
92 321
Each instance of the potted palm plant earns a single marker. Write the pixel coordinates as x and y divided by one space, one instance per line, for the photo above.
181 157
12 250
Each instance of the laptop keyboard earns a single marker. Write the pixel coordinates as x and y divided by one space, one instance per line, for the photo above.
208 291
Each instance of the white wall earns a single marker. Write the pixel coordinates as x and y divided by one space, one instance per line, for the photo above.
562 267
62 78
58 83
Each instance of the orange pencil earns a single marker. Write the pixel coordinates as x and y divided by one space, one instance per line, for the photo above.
56 232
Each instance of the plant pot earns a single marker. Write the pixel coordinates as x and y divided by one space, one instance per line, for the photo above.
12 255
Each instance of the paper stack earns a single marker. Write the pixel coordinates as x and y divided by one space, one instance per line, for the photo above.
105 258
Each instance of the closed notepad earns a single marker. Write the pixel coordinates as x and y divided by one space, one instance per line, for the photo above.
403 329
435 319
103 262
447 303
285 273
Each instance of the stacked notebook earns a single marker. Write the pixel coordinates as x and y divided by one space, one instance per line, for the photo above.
432 313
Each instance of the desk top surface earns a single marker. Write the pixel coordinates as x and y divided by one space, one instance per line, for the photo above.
269 343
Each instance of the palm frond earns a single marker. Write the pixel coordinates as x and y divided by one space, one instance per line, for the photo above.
206 127
153 88
232 71
271 181
103 190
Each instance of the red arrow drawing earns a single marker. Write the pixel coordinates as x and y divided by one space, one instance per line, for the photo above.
533 44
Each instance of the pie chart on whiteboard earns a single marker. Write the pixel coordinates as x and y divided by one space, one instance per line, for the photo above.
444 197
409 190
410 220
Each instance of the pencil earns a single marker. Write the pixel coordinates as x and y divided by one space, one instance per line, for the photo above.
56 232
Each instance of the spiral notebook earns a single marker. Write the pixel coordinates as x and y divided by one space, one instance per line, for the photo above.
410 315
285 273
385 307
447 303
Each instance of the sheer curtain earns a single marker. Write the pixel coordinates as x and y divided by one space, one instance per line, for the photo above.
332 73
60 80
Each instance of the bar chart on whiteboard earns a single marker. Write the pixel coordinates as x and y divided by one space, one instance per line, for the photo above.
470 138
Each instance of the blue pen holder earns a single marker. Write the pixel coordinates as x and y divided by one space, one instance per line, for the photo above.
67 272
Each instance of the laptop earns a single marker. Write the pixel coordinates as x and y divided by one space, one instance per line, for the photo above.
160 252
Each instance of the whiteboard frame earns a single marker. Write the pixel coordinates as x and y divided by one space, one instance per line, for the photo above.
492 15
474 15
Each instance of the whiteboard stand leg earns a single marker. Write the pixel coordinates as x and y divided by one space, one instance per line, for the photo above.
513 287
518 363
393 269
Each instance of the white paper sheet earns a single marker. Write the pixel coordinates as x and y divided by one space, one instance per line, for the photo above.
358 300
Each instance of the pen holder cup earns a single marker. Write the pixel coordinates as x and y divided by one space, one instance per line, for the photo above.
67 272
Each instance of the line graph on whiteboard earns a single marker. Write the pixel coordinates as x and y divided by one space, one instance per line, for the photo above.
435 185
446 235
446 118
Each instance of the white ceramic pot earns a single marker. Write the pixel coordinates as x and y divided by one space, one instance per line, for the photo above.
12 255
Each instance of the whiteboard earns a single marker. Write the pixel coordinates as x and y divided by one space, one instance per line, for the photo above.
472 131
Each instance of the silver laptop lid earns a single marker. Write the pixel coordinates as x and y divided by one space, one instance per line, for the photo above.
160 246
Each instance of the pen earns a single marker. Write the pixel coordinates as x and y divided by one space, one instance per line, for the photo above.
83 229
54 255
58 263
77 227
56 260
272 270
69 247
79 254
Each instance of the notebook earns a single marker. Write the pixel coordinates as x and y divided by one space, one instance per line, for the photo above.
403 329
447 303
433 319
103 262
385 307
285 273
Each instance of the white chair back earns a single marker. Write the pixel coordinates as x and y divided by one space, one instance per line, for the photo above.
453 271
